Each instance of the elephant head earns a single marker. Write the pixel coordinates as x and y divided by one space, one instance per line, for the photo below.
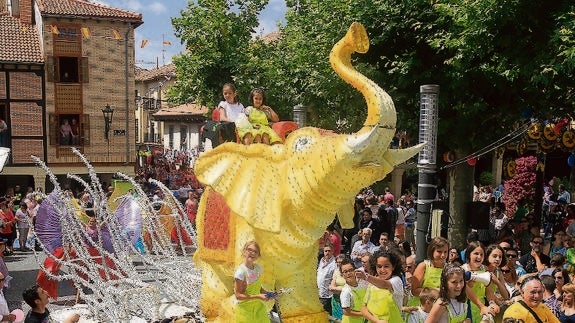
315 171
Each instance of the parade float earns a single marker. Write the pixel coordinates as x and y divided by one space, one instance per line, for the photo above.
283 196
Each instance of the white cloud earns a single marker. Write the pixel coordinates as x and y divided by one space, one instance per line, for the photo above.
157 8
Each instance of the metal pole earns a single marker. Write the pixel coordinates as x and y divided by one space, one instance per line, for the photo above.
427 186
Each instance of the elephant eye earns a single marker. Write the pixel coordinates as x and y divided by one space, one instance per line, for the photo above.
301 143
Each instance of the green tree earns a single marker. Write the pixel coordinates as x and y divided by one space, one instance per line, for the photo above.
217 34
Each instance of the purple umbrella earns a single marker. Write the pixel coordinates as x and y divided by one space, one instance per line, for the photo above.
48 225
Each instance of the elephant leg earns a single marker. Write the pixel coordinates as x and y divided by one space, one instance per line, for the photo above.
217 285
302 304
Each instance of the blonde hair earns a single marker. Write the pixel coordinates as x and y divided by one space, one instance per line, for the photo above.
252 243
569 288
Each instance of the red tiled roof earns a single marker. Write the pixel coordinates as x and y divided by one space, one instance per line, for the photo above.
160 72
84 8
180 112
18 42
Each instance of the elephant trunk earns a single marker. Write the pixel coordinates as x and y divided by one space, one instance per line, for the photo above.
381 115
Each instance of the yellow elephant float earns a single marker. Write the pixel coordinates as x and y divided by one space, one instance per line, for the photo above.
283 196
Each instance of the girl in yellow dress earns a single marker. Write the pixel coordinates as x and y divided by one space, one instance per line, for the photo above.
384 296
428 272
259 116
248 290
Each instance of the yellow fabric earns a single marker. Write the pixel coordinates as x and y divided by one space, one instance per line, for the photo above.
479 290
260 118
432 276
380 303
357 295
517 311
253 310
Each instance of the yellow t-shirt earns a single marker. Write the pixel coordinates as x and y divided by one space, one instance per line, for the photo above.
518 311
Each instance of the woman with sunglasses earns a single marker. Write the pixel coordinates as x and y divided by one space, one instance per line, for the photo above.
511 278
568 304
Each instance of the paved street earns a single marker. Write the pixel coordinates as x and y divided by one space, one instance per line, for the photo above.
23 267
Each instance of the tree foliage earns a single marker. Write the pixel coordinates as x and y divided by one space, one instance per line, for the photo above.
217 35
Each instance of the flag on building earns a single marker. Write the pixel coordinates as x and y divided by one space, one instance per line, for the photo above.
167 43
86 33
116 34
143 43
54 30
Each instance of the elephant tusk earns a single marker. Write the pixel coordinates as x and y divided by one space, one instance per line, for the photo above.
360 141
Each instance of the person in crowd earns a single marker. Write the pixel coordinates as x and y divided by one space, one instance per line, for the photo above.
22 218
556 245
75 132
248 289
471 237
530 307
526 236
387 214
352 293
510 277
325 270
3 133
38 300
410 218
384 296
8 231
334 238
362 246
568 304
4 311
494 259
387 195
512 256
365 262
336 286
65 133
367 221
561 276
563 195
535 260
453 257
428 272
418 314
497 221
259 115
549 298
191 205
451 306
383 242
570 254
557 261
402 243
478 293
401 212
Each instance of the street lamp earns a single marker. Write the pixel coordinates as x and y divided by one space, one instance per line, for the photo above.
108 114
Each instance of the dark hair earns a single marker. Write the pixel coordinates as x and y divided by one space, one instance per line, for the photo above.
233 88
565 273
368 210
472 236
346 261
393 259
472 246
30 295
489 250
557 260
548 283
255 91
448 271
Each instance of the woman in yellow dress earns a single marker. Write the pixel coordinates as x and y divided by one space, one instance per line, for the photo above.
259 116
248 290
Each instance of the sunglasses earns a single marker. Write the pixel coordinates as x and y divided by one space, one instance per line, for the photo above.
511 255
537 242
506 271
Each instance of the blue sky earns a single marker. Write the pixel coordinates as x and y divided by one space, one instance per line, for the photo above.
157 24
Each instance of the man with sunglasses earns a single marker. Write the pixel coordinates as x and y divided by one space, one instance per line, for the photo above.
512 256
535 261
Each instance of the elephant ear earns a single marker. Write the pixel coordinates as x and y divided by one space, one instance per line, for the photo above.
250 179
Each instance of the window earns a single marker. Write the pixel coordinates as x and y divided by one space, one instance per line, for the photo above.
64 69
69 129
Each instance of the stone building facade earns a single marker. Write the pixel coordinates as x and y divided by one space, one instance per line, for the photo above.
61 63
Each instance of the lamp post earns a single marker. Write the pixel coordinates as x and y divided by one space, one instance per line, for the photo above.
108 114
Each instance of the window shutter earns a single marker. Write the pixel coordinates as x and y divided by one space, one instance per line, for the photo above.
85 130
84 70
53 129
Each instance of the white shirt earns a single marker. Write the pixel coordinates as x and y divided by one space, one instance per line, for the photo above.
325 271
346 296
232 110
